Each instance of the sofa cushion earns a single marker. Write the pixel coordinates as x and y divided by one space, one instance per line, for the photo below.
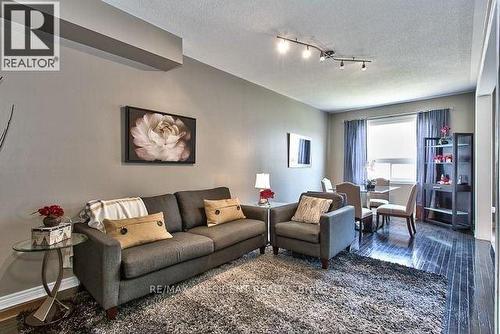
310 209
192 207
299 231
339 199
168 205
223 210
132 232
143 259
228 234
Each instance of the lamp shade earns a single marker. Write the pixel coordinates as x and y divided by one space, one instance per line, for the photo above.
262 181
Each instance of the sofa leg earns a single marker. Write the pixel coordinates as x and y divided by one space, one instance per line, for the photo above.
262 250
275 250
111 313
348 248
324 263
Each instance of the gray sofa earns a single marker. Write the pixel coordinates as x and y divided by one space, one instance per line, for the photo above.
114 276
334 233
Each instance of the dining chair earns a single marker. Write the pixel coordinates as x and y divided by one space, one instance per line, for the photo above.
326 184
378 199
353 194
407 212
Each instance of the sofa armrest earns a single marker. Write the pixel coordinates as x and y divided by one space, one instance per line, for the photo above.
253 212
96 263
281 214
337 231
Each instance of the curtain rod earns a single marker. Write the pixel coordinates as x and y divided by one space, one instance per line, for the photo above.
396 115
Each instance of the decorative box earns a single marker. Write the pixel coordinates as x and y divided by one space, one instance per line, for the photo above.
44 236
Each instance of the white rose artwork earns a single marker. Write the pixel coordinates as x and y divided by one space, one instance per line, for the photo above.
161 137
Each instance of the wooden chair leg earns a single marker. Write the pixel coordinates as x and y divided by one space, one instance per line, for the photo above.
275 250
111 313
262 250
408 224
324 263
413 223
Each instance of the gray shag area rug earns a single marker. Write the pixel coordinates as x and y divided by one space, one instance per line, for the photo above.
285 294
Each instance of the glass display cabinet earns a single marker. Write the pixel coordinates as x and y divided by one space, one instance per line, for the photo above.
448 189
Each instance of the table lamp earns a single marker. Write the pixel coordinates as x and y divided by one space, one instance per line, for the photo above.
262 183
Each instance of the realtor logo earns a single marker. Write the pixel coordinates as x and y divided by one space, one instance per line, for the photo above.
30 36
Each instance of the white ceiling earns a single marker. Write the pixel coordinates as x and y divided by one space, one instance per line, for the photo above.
420 48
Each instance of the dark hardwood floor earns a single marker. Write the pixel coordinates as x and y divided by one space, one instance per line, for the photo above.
466 262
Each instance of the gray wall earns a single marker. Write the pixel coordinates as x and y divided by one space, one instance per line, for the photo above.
65 144
461 120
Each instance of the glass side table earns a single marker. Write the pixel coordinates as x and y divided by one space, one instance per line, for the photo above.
52 310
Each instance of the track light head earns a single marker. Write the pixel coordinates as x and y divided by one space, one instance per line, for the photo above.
342 65
322 56
283 46
363 67
306 53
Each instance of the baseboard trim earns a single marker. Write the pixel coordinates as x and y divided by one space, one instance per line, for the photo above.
31 294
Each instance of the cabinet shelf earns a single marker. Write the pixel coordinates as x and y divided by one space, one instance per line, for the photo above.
446 145
446 211
447 187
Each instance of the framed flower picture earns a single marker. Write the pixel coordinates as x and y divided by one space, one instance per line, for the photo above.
157 137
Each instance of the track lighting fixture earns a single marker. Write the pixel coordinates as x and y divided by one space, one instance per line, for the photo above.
283 46
306 53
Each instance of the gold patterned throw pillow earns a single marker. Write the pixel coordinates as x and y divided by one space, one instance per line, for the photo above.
223 211
310 209
137 231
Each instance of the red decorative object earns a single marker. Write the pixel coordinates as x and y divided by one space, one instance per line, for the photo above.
438 158
266 194
53 215
445 131
448 158
53 210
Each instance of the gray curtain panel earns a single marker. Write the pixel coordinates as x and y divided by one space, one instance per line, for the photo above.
355 151
429 124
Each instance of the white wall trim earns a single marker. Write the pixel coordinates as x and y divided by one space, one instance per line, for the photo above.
28 295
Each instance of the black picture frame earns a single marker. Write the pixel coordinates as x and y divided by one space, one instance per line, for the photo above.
132 114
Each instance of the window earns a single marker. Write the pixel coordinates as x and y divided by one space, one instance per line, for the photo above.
392 148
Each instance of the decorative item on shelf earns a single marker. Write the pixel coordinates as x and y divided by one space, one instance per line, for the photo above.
445 179
463 180
370 184
448 158
45 235
445 134
438 158
52 214
263 183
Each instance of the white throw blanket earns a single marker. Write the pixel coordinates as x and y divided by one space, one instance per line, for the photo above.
122 208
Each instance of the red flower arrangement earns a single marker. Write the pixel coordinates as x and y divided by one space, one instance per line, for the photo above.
53 211
266 194
445 131
438 158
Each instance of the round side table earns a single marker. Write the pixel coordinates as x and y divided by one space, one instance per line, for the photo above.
52 310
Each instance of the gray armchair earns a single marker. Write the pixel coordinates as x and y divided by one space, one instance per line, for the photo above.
334 233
